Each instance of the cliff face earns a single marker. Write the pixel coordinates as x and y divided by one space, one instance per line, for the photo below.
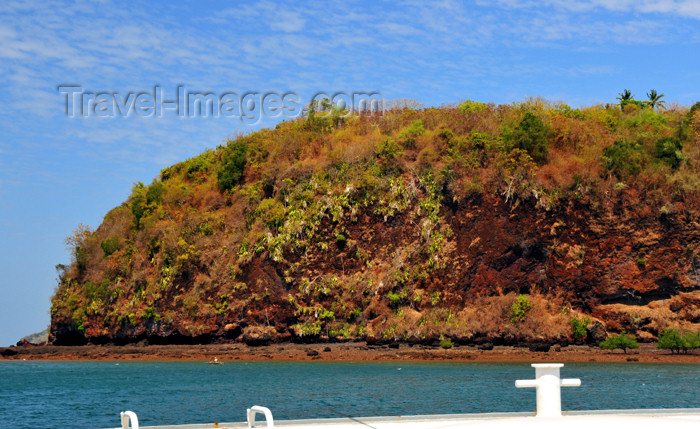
506 224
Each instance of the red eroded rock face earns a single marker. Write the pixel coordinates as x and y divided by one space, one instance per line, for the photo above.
632 272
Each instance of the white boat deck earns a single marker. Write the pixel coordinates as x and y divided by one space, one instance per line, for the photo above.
641 419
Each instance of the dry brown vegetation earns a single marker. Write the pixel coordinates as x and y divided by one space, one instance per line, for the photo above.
407 226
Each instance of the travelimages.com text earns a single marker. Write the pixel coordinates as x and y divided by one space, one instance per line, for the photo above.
249 106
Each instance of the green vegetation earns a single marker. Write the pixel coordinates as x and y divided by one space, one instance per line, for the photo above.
352 224
531 135
578 327
519 308
627 99
234 160
622 341
471 106
446 343
410 134
672 339
398 298
625 158
670 151
654 100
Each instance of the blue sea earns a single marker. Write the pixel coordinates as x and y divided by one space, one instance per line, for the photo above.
91 394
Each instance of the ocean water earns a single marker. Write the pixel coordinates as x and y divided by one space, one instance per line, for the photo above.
91 394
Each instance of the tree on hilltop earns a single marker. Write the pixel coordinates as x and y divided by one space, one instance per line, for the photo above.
625 97
654 100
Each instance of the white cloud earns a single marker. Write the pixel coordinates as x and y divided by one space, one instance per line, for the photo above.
685 8
288 21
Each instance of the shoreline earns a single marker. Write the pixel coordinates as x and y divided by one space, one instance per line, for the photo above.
338 352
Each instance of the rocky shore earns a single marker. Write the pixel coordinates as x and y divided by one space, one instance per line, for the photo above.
352 351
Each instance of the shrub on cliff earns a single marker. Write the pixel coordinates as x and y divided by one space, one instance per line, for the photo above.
693 110
578 327
531 136
445 343
110 245
519 308
409 135
271 212
670 151
234 159
77 243
622 341
624 158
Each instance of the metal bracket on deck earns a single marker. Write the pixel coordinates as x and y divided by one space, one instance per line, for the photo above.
256 409
129 416
548 385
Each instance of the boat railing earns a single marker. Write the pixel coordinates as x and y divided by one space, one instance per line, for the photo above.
129 417
257 409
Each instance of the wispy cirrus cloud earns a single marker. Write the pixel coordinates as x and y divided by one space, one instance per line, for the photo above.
684 8
309 47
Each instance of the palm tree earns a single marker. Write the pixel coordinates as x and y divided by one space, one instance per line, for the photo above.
625 97
654 99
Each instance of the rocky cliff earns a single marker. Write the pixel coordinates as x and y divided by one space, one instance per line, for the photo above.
516 224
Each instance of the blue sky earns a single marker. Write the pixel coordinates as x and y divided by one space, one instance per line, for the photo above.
58 172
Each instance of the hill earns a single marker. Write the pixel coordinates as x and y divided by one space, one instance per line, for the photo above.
41 337
511 224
